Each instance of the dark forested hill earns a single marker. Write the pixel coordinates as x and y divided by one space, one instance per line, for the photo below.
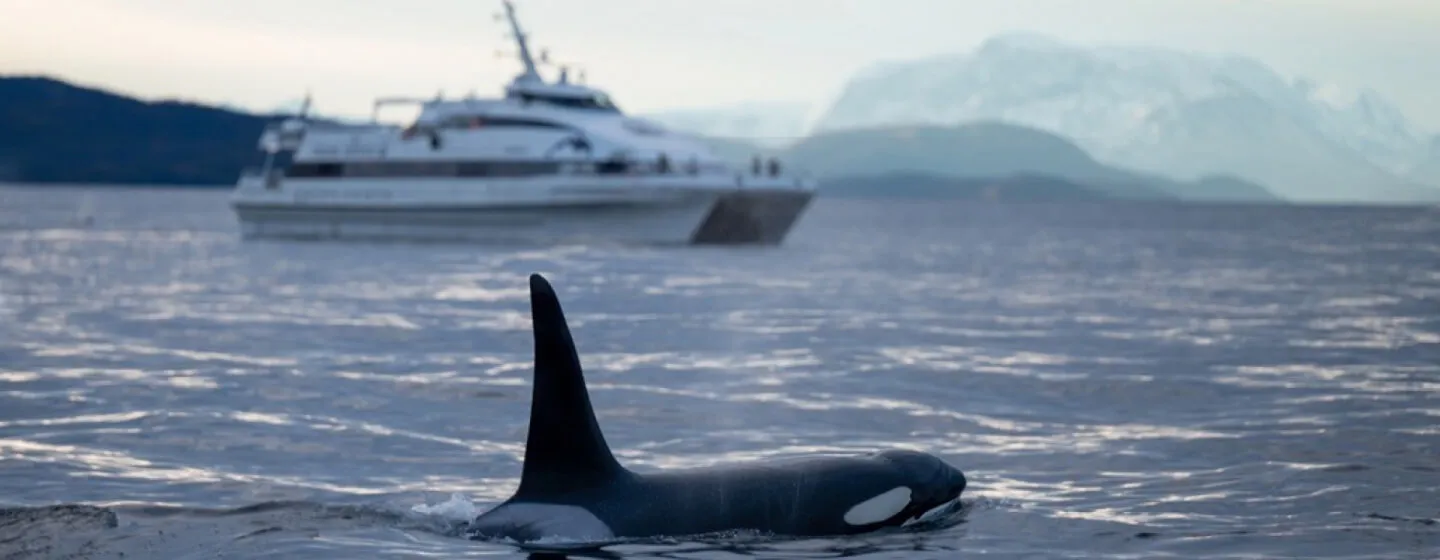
51 131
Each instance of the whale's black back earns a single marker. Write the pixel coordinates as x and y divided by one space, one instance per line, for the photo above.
792 497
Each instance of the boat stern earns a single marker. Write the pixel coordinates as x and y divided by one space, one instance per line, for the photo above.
753 216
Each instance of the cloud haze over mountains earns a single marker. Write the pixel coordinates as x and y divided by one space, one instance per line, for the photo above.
1164 111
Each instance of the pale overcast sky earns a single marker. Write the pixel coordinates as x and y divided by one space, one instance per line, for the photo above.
654 54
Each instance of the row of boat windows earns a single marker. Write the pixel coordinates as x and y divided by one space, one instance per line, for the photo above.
424 169
470 121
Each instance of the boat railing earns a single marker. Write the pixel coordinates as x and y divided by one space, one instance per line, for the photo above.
769 173
661 167
272 177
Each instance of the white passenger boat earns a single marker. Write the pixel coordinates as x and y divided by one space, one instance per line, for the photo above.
549 162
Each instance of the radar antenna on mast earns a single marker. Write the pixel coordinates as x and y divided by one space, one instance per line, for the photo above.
531 72
304 106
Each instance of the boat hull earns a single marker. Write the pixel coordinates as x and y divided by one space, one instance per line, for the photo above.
638 215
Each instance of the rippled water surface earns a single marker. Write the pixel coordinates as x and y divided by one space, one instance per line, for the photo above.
1117 381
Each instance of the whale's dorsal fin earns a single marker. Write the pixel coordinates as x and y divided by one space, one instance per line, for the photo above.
565 449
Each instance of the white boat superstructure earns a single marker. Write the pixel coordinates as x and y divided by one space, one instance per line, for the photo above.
548 161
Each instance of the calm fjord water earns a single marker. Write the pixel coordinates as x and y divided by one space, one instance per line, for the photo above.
1139 381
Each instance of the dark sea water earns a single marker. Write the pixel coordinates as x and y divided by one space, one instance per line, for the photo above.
1117 381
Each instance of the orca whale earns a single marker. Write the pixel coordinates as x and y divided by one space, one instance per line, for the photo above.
573 488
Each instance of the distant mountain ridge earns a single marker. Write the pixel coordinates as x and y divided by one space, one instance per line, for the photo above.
988 150
1014 188
1427 171
1181 115
83 135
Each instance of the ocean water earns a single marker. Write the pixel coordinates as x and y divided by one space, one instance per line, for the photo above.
1117 381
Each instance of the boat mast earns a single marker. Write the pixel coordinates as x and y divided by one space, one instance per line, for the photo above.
531 73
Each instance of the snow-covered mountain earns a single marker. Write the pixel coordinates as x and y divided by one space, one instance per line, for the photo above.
1180 114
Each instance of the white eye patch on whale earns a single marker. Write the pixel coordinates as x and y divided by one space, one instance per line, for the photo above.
572 487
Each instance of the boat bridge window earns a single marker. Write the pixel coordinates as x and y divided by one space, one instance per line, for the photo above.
597 102
476 121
